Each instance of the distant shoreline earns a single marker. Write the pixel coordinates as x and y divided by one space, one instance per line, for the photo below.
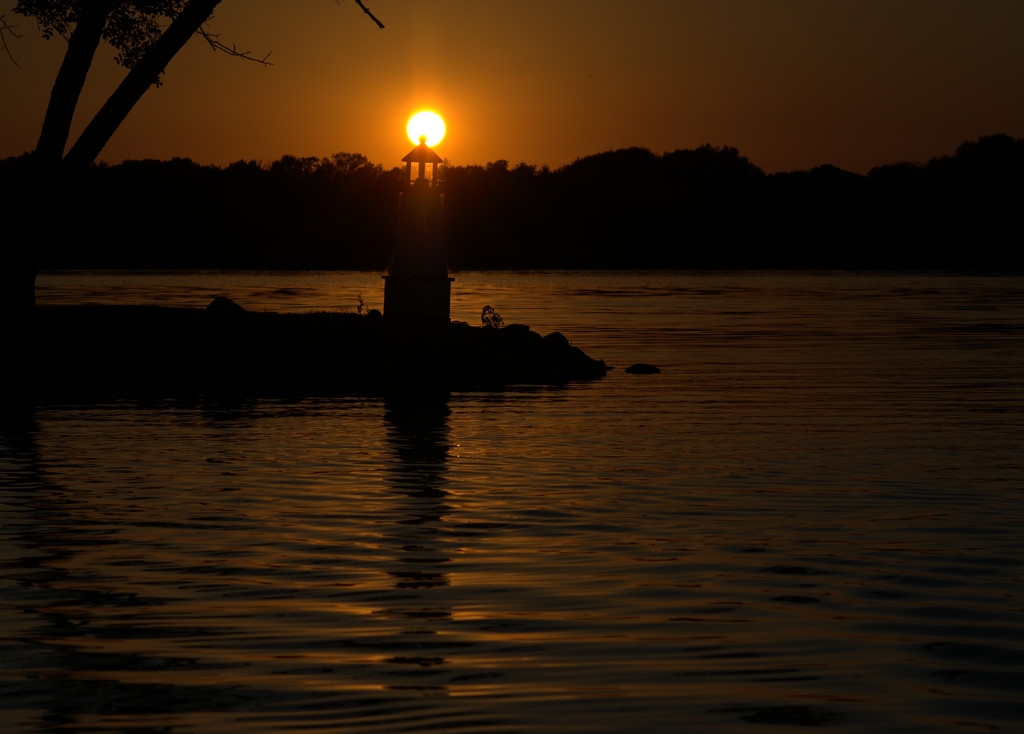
703 209
979 271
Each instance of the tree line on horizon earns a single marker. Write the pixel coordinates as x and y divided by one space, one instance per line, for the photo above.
707 207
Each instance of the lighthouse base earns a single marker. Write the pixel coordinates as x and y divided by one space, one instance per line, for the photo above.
419 300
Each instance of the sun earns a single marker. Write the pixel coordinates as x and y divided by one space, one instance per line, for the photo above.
426 123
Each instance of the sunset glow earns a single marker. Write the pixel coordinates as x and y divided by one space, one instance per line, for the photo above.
790 84
426 123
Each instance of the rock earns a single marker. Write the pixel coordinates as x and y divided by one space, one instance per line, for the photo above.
520 335
556 340
224 306
642 368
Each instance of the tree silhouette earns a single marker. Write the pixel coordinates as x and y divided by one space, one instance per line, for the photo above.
700 208
146 34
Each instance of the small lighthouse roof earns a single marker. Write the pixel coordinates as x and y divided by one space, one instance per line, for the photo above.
422 154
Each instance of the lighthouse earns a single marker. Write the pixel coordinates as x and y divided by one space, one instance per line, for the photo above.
417 286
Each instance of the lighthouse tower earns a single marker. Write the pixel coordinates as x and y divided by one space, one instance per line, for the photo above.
417 286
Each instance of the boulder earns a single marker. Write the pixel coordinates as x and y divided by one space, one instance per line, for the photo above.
642 368
224 306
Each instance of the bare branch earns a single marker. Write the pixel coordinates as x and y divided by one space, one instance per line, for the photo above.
6 28
372 16
217 45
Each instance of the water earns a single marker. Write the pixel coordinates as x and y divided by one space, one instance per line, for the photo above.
810 518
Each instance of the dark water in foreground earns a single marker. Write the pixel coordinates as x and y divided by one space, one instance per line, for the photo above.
812 517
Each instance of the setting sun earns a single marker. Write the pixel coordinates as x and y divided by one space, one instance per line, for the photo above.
426 123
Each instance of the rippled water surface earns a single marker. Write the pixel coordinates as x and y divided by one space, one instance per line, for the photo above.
811 517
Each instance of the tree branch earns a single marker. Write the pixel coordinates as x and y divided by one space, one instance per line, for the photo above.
217 45
372 16
140 78
6 28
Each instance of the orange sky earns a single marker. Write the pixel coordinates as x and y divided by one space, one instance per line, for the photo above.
791 83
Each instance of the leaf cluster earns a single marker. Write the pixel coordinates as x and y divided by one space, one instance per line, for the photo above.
490 318
132 26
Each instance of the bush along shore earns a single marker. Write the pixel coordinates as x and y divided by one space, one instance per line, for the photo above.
92 350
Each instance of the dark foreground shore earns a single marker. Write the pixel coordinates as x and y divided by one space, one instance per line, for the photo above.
92 349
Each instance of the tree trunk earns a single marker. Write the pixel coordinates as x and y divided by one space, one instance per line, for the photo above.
70 79
142 76
50 175
42 189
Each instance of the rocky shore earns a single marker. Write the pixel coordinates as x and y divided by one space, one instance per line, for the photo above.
115 350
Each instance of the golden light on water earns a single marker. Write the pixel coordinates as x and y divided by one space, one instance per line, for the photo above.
426 123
